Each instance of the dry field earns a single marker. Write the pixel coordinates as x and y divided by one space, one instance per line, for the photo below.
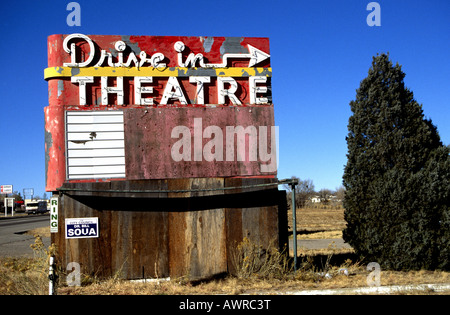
275 275
316 223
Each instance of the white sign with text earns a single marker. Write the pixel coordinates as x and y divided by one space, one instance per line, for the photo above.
81 228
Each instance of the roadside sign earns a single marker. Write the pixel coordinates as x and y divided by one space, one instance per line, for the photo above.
28 192
6 189
81 228
54 215
9 202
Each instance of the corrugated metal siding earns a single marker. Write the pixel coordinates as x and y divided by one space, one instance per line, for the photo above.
95 144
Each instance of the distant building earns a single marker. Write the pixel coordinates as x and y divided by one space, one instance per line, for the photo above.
315 199
329 198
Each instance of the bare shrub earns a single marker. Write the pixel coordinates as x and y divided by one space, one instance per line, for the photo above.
251 260
26 276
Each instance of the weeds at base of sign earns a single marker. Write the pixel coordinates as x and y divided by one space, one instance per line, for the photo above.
252 260
26 276
309 275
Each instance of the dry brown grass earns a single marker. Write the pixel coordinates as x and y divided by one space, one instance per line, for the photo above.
325 222
26 276
251 260
303 280
321 235
324 219
251 278
42 231
267 273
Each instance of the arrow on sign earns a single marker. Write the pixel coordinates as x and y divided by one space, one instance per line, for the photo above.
255 55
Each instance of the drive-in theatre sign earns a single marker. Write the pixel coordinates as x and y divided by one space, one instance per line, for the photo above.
144 107
161 153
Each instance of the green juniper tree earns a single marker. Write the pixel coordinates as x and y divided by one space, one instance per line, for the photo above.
397 176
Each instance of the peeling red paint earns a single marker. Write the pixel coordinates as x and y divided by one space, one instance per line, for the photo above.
150 138
162 44
148 128
54 147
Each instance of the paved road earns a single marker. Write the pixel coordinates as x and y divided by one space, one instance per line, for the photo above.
320 243
13 241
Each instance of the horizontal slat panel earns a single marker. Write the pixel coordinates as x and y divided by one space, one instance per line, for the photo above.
94 113
97 161
91 176
94 119
92 170
96 153
95 144
119 135
109 144
94 127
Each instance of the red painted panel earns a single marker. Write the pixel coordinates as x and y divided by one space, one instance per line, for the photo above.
149 138
213 48
55 162
151 144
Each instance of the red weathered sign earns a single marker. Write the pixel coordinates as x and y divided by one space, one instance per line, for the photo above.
149 107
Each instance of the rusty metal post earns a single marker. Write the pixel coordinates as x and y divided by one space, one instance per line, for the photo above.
294 223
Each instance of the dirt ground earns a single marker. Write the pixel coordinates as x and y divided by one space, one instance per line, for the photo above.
327 266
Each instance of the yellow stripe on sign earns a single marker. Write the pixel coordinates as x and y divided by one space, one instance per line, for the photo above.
61 72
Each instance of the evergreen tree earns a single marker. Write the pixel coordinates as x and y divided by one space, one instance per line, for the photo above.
397 176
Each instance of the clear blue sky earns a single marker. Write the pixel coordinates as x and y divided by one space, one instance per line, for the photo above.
320 51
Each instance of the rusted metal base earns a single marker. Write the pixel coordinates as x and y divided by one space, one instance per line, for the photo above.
176 234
